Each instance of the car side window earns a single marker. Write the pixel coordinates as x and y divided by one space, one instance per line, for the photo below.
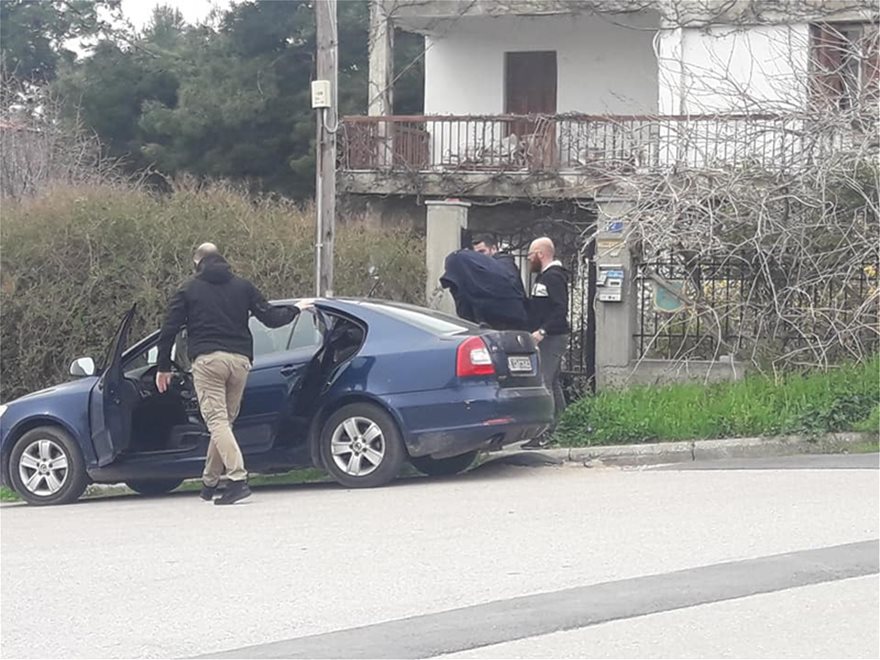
305 332
269 340
301 333
150 357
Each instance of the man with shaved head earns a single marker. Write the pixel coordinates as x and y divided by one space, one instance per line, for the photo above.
548 319
215 306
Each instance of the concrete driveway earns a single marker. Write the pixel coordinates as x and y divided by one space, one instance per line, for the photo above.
769 559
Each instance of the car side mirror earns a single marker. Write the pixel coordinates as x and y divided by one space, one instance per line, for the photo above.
84 366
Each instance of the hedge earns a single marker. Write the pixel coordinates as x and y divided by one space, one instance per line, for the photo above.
75 259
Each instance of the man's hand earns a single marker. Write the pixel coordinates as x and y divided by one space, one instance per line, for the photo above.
538 336
305 304
163 381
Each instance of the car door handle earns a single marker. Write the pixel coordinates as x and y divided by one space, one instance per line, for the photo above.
289 369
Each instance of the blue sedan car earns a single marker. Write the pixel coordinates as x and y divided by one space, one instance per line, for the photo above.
353 387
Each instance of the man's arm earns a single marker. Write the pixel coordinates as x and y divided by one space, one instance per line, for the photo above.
175 319
270 315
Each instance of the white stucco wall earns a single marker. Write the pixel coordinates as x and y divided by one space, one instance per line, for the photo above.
725 69
728 70
605 67
602 67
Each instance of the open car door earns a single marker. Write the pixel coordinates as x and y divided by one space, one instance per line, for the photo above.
309 384
314 380
317 378
111 400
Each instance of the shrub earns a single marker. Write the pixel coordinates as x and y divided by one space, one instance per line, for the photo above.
840 399
75 259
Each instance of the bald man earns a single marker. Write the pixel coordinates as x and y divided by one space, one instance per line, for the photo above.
215 306
548 319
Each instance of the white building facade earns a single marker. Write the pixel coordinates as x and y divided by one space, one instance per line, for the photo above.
536 110
612 86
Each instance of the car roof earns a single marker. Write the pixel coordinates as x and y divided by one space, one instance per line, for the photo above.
363 308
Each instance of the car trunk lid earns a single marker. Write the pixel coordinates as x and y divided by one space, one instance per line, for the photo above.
514 356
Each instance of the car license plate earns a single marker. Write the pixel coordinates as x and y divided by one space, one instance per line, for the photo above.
519 364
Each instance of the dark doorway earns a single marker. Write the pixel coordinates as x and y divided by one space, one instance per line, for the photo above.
530 83
530 89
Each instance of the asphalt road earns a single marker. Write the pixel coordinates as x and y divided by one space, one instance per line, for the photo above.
775 558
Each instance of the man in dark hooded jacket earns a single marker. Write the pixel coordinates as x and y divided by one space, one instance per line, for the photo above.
215 306
485 291
489 246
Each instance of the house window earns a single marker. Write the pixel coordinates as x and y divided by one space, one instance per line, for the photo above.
844 65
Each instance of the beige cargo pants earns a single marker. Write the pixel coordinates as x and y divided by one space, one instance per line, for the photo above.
220 379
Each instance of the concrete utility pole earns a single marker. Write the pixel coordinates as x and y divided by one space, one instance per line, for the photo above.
326 102
381 76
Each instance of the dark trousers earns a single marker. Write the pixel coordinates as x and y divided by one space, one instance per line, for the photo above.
552 348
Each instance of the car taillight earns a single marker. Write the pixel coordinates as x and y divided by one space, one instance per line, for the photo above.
474 359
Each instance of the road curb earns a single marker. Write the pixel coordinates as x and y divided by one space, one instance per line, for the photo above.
683 452
659 453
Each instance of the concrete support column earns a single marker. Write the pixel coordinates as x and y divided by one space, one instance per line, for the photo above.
615 321
381 74
445 221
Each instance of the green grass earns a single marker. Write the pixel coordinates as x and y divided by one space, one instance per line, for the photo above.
869 447
872 423
842 399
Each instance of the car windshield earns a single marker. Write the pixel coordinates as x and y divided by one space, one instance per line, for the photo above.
432 321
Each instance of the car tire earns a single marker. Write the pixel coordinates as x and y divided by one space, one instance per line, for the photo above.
373 457
443 467
153 486
46 466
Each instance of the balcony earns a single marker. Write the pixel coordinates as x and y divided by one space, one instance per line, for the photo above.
517 155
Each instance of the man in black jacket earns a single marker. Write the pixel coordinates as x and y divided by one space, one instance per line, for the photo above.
485 291
548 319
215 306
489 246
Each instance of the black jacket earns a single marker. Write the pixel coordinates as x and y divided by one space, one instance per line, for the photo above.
485 290
548 306
215 306
509 262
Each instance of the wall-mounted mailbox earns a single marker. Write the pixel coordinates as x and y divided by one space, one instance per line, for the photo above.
610 283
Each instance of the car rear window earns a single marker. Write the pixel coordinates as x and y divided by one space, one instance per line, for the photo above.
436 323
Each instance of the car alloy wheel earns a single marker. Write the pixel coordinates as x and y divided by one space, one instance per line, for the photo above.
46 466
358 446
43 467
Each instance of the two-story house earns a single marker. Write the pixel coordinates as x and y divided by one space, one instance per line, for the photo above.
532 107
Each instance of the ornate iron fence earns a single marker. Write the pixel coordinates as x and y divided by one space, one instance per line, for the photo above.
702 308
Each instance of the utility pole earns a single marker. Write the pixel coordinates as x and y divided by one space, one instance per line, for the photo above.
325 101
380 79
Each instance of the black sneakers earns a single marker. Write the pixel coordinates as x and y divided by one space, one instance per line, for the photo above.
208 492
235 492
